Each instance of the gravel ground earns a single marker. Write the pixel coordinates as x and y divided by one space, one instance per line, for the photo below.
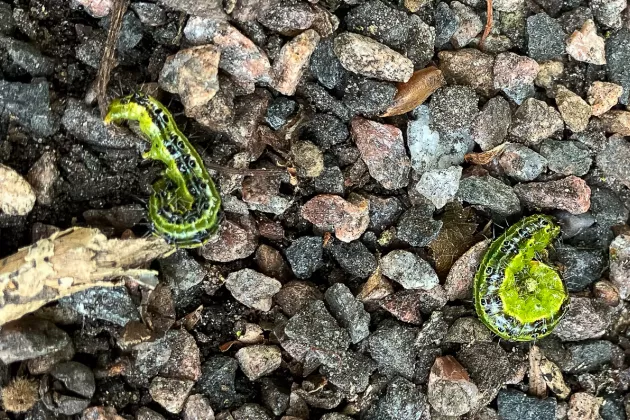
345 290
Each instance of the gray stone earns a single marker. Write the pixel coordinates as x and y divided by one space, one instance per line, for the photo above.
183 274
325 65
611 159
419 47
383 212
545 37
348 371
409 270
305 255
446 24
170 393
453 109
197 407
274 397
618 57
149 13
112 304
608 12
534 121
391 346
252 289
566 157
26 57
379 21
251 411
314 327
402 401
581 267
516 405
29 104
417 227
330 181
7 23
28 338
587 356
585 319
521 163
491 125
489 193
325 131
366 97
348 311
440 185
217 382
470 25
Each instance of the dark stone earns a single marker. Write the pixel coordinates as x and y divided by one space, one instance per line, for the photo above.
295 295
618 57
330 181
368 97
29 104
613 408
326 67
217 382
348 311
353 257
112 304
490 193
183 274
324 101
68 388
446 24
581 267
420 45
516 405
7 24
587 356
452 110
149 13
28 338
348 371
383 212
280 112
130 32
305 255
545 37
325 130
417 226
274 397
26 58
566 157
379 21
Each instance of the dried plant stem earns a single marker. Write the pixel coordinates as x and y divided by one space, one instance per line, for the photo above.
488 27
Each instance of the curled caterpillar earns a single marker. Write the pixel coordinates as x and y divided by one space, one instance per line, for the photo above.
185 206
518 297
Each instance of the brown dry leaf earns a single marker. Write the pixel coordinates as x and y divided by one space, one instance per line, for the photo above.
552 375
537 385
376 287
486 157
415 91
456 237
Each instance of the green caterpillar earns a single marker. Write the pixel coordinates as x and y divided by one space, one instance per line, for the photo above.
518 297
185 206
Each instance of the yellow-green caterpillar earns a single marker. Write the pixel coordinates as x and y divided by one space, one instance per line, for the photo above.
185 206
518 297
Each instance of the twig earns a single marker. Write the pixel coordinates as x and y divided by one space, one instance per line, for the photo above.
488 27
71 261
107 61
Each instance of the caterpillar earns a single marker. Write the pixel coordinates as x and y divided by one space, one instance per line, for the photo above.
517 296
185 206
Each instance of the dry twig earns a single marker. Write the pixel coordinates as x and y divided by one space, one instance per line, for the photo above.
71 261
488 27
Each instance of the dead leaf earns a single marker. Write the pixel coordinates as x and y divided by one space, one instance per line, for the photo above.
552 375
415 91
537 385
486 157
456 237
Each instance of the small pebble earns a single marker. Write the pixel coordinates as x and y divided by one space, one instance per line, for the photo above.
458 284
98 8
331 212
252 289
545 37
534 121
470 25
348 371
612 159
115 304
608 12
490 193
348 311
379 21
586 46
402 400
258 360
197 407
280 111
469 67
584 320
491 125
417 227
514 75
616 122
570 194
549 73
27 57
574 110
305 255
217 382
383 151
618 56
184 361
29 105
587 356
446 24
325 65
581 267
367 97
566 157
171 394
233 243
354 257
149 14
521 163
620 264
391 346
292 61
602 96
440 185
26 339
584 406
287 18
326 131
516 405
450 390
17 197
313 326
409 270
363 55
